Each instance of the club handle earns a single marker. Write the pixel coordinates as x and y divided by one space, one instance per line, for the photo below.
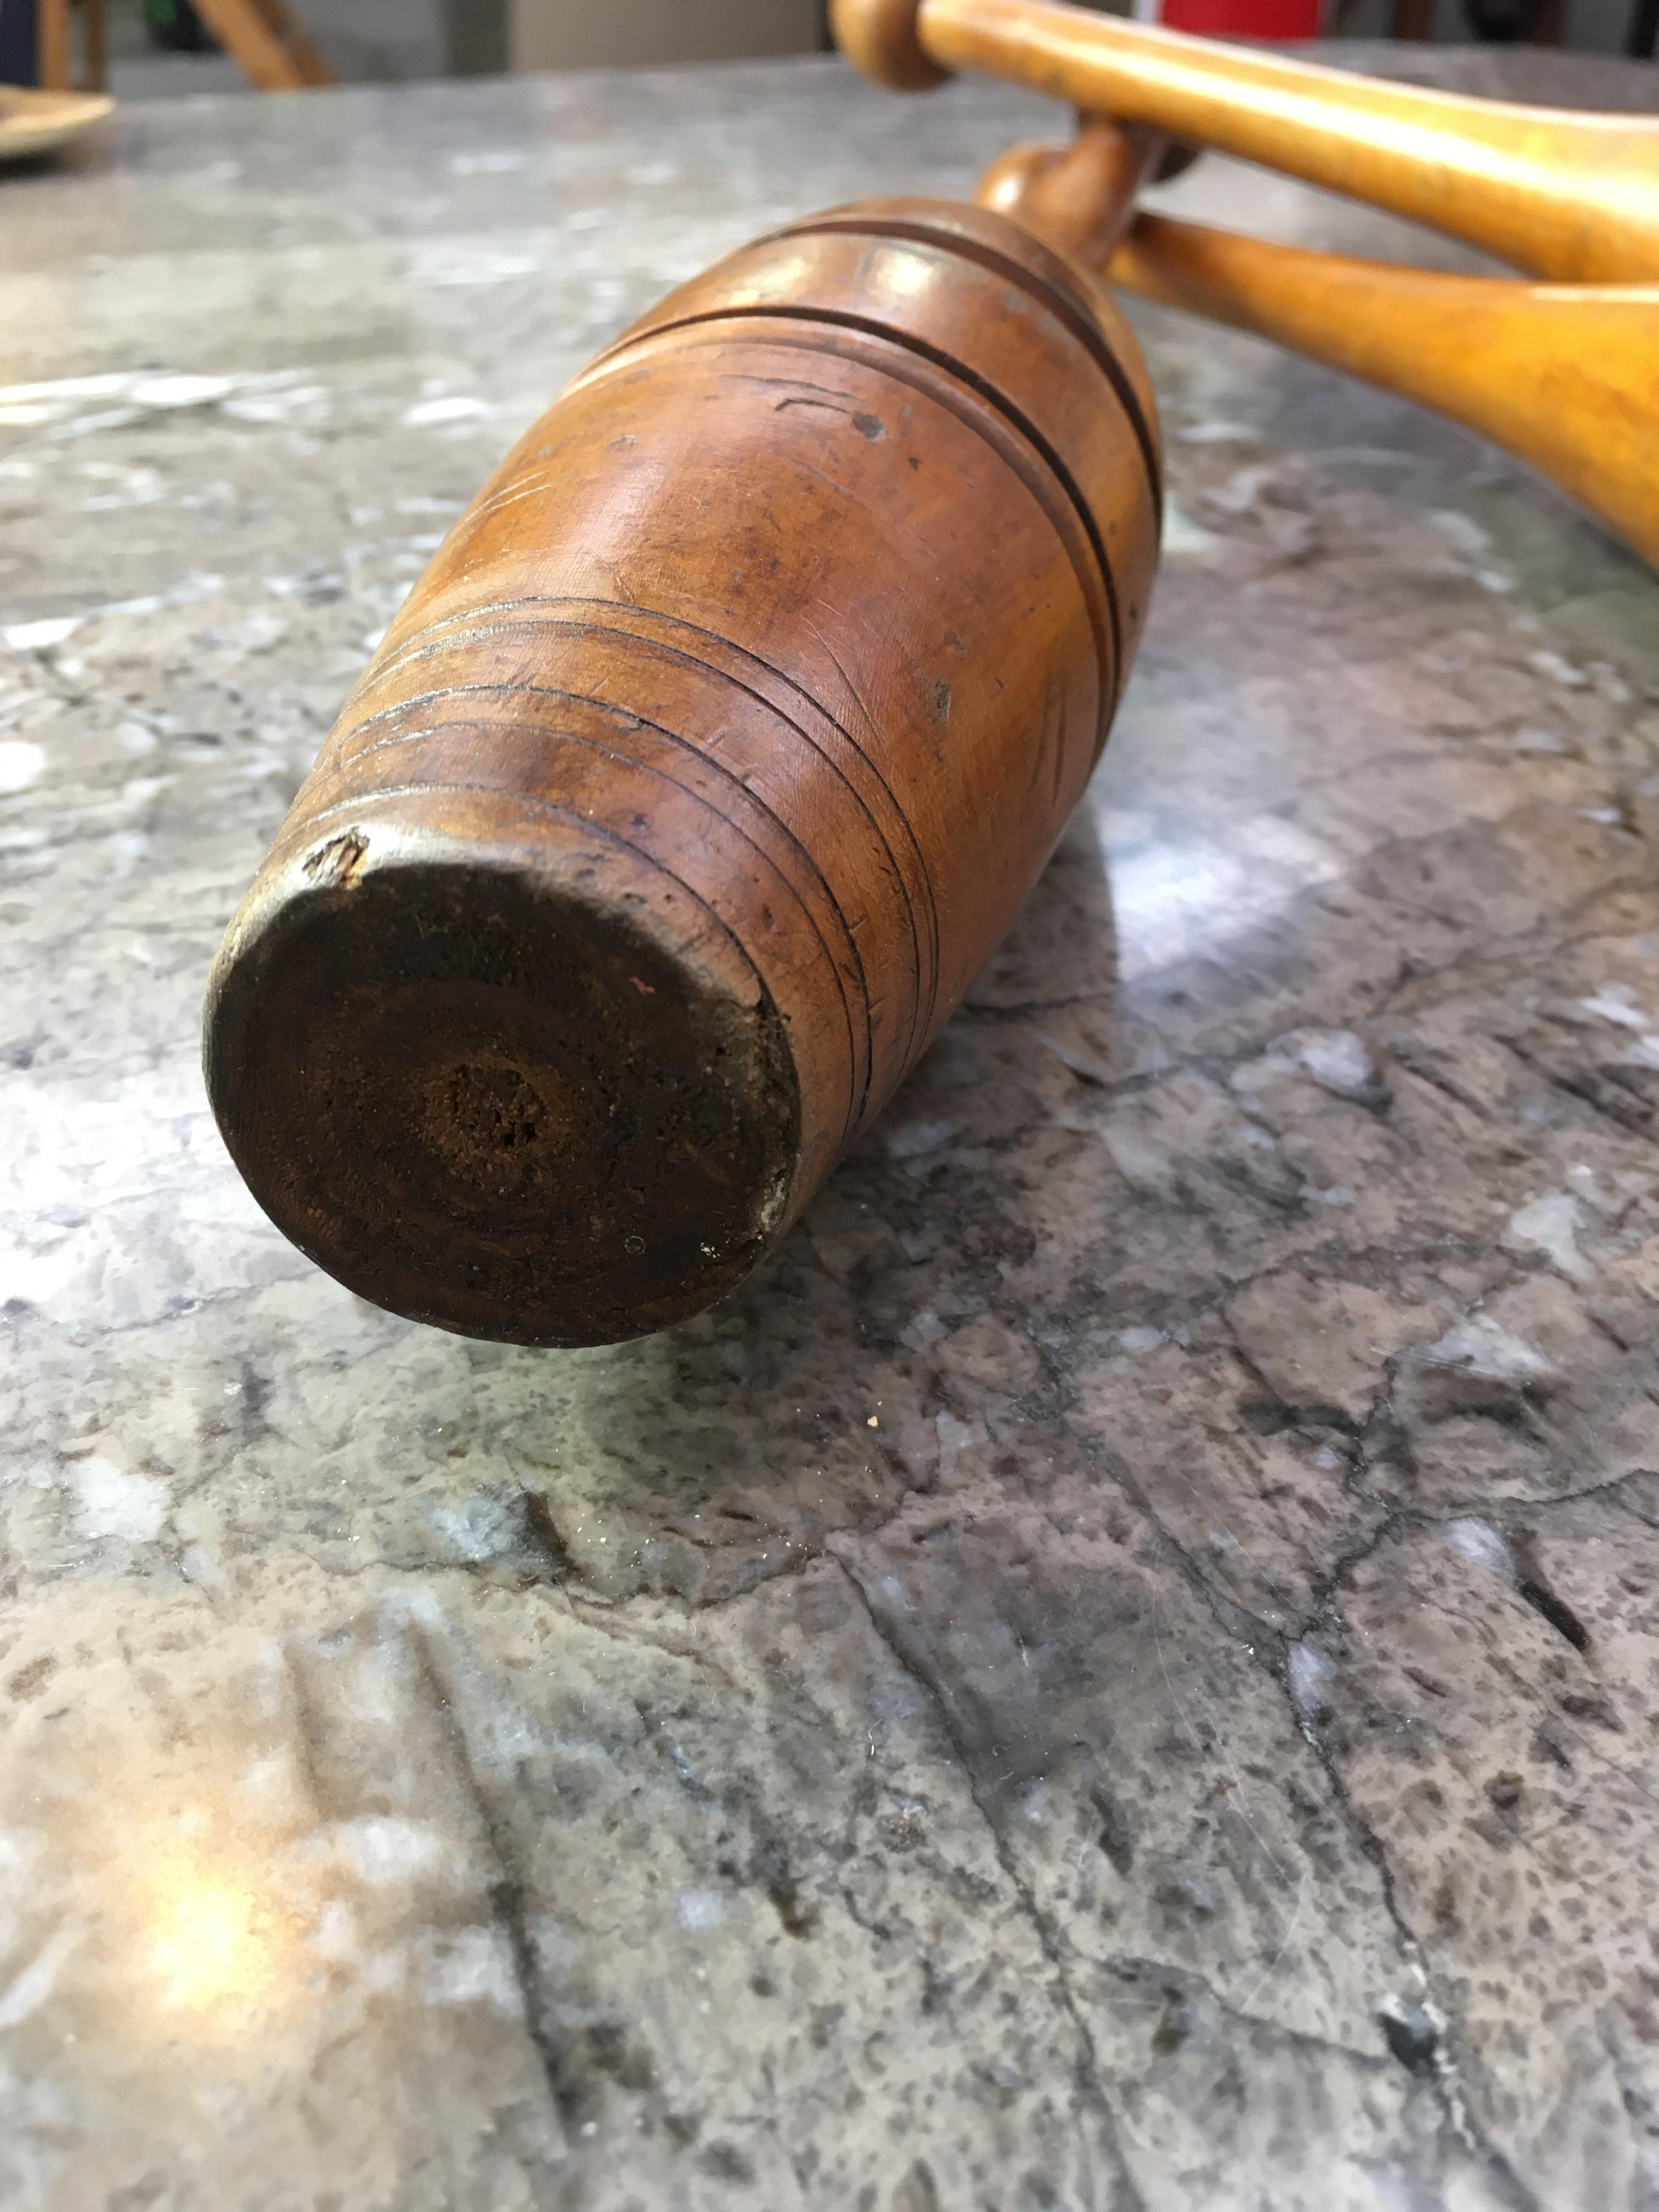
1558 194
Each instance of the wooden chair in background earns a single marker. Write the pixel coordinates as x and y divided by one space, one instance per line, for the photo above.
52 42
268 42
262 37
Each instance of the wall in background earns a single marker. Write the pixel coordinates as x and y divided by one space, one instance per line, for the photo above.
369 40
475 37
420 37
1588 26
580 34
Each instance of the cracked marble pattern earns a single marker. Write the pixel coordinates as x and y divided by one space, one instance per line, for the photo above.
1123 1674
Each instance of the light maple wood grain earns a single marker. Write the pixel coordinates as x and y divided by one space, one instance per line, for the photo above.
1559 194
1563 374
1565 377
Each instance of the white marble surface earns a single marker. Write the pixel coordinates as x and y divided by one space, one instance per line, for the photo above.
1124 1671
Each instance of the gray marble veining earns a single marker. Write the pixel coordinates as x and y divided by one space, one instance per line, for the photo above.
1124 1671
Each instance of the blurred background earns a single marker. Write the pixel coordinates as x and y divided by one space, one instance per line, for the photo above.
157 46
160 47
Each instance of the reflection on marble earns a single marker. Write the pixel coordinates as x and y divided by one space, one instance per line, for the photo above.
1124 1671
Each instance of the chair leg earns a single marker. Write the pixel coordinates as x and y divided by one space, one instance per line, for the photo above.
94 45
287 26
262 37
1644 31
52 44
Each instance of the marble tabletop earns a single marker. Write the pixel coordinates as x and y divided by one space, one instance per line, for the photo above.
1121 1674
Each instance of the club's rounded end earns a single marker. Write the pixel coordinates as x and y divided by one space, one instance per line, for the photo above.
489 1100
881 41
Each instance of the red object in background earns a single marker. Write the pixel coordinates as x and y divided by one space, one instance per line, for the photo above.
1239 19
